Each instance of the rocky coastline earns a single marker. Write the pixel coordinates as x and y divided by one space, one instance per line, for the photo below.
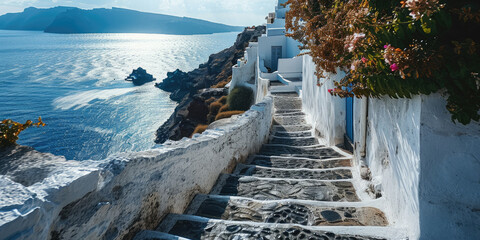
192 89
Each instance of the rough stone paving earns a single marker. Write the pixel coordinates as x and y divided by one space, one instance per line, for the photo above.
285 191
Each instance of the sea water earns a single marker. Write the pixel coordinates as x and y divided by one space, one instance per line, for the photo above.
76 84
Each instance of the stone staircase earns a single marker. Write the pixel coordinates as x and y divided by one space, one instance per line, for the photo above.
294 188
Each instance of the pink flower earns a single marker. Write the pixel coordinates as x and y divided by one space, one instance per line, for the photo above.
394 67
330 91
352 41
364 60
386 46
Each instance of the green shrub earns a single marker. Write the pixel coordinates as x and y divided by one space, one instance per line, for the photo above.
200 129
228 114
240 99
9 130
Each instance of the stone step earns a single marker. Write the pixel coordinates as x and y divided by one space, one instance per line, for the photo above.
292 113
305 152
293 134
276 83
287 103
275 189
297 141
293 163
194 227
155 235
289 120
293 128
287 111
284 212
285 94
265 172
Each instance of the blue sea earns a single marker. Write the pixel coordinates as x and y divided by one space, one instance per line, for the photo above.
75 83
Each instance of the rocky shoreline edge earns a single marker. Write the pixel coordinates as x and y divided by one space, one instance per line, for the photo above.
191 90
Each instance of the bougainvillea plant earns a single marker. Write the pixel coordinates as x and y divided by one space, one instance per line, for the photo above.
9 130
395 48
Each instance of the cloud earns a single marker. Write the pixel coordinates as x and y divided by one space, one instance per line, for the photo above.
244 12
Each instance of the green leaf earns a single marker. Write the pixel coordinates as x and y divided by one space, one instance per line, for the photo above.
426 29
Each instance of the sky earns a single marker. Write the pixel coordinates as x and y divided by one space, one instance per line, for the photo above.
239 12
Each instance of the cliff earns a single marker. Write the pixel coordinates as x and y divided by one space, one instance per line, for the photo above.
115 20
191 89
33 19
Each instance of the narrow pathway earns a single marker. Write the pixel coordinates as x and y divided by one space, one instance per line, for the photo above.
294 188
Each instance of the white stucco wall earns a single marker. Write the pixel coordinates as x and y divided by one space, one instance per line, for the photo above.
290 65
244 75
265 47
262 89
425 166
132 191
449 188
27 212
278 23
292 47
392 141
325 112
393 156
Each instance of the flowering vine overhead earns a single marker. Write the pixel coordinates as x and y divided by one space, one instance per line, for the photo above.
395 48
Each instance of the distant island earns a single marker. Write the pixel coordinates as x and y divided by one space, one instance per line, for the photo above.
71 20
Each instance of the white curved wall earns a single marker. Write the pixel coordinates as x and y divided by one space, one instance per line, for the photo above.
128 192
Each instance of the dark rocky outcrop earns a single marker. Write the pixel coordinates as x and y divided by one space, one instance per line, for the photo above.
191 89
139 77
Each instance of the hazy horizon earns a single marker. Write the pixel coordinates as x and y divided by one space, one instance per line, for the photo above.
244 13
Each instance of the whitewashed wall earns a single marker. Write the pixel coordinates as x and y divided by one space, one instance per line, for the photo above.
278 23
243 73
425 166
265 47
325 112
262 89
449 184
290 65
392 142
292 47
134 191
393 156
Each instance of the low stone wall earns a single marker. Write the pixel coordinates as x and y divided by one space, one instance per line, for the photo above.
115 198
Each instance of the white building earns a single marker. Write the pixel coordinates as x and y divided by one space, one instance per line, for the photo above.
424 166
274 57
